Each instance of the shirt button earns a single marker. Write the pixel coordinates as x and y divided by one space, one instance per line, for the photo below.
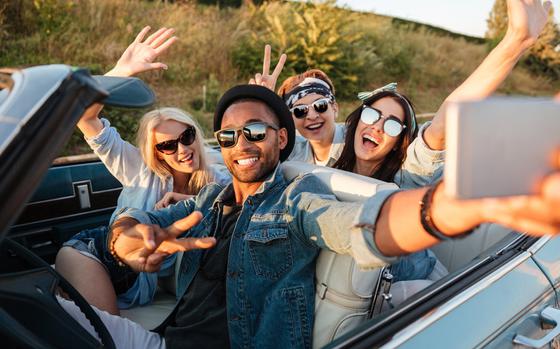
232 274
234 318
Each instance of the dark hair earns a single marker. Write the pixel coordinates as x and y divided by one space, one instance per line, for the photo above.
392 163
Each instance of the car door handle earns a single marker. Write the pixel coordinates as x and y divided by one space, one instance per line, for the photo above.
549 315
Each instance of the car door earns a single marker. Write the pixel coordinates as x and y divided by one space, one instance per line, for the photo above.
487 303
73 196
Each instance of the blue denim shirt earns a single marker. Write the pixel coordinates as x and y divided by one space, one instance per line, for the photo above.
271 264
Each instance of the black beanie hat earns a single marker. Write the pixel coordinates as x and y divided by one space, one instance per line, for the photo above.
267 96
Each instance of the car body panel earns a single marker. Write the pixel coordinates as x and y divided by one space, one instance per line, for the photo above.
483 311
547 257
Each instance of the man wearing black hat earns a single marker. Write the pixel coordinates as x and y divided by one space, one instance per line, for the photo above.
255 286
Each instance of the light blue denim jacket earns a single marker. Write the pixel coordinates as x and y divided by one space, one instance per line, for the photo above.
271 263
142 189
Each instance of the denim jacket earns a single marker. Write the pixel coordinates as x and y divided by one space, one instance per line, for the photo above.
271 264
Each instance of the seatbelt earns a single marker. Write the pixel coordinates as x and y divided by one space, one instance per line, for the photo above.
381 292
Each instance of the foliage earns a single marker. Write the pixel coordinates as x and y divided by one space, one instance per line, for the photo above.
222 46
544 56
313 35
497 22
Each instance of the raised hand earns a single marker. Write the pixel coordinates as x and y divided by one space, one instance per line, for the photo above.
266 79
526 20
141 54
170 198
143 247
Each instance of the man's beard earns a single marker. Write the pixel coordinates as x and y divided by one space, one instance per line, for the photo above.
258 175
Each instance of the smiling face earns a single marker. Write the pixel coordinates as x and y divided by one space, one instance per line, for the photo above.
371 144
316 126
250 162
187 157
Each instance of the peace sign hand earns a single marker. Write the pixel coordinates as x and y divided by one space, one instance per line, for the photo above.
143 247
265 79
140 55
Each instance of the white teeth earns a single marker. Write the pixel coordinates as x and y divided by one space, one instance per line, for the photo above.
187 158
314 126
248 161
370 138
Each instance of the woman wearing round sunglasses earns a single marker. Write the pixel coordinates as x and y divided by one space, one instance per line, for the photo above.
169 164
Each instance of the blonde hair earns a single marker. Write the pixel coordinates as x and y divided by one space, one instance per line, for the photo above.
145 139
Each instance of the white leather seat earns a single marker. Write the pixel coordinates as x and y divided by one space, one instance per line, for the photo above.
344 293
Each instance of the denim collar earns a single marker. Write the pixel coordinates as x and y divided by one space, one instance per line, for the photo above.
275 179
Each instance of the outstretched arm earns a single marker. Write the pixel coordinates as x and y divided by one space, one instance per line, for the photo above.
527 19
137 58
400 215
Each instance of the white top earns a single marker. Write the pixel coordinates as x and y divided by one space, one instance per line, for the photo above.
142 188
421 167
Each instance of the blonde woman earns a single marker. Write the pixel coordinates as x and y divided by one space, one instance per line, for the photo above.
168 165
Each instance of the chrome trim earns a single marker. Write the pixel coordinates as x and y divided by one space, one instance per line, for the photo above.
74 185
419 325
534 248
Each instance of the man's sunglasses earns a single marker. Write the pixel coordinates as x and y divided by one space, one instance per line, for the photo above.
320 106
392 126
170 147
253 132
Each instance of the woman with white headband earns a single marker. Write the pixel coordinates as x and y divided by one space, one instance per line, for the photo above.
381 138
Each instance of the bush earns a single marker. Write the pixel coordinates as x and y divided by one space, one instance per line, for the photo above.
313 35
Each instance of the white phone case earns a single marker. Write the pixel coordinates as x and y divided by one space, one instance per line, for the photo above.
500 146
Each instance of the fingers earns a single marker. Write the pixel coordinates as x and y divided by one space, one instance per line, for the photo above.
266 60
157 66
252 82
148 235
142 33
279 66
155 35
258 79
162 37
187 244
184 224
165 45
153 262
547 5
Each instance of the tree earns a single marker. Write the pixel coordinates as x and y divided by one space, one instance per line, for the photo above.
498 21
544 56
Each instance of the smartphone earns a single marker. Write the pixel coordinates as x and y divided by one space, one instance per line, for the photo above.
500 146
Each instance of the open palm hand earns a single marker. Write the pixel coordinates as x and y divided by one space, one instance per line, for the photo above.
141 54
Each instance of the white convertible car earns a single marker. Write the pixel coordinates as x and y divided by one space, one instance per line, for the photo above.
501 290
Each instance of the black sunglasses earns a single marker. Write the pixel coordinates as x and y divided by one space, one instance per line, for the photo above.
170 147
320 106
392 126
253 132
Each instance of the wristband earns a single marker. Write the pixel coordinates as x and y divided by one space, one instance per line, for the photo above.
426 217
112 250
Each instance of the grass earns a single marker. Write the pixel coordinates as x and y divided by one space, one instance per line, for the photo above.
218 48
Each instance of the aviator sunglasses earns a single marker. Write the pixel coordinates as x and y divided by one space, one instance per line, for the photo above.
320 106
253 132
392 126
170 147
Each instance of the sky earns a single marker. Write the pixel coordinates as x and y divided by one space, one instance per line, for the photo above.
461 16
